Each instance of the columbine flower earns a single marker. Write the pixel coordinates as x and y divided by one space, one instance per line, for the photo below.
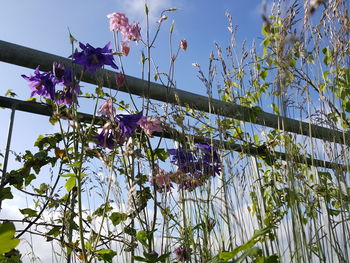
185 161
58 70
42 84
161 180
65 96
183 254
107 136
107 109
149 126
127 125
70 88
118 21
120 79
125 46
133 32
94 58
183 44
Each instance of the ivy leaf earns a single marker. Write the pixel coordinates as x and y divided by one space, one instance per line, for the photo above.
7 240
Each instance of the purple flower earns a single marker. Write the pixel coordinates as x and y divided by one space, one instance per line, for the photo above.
58 70
107 137
70 88
185 161
183 254
94 58
127 125
42 84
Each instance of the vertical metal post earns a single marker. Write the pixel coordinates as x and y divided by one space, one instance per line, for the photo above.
7 151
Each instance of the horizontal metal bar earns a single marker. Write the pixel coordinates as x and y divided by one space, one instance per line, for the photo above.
43 109
31 58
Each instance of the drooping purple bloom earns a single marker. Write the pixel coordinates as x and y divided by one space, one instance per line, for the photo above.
127 125
185 161
94 58
70 88
183 254
106 138
42 84
58 70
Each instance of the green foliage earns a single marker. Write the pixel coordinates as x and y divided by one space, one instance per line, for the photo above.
117 218
11 257
106 255
247 249
7 240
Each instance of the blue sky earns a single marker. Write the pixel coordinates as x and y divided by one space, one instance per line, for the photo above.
44 26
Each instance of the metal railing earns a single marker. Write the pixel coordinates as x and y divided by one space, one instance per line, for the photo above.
30 58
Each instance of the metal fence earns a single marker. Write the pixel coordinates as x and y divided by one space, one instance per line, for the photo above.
30 58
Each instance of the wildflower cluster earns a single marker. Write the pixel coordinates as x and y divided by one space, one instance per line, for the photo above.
161 179
195 169
44 84
119 127
130 31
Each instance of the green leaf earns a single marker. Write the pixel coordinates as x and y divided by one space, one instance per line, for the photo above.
5 193
263 74
7 240
117 218
10 93
140 259
55 231
226 255
106 255
151 257
70 183
142 237
161 154
251 252
246 246
29 212
163 257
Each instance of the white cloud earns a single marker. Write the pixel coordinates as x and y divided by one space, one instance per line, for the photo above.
135 9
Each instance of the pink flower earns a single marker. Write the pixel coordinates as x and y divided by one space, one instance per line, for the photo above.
183 44
133 32
120 79
118 21
149 126
161 180
125 48
107 108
